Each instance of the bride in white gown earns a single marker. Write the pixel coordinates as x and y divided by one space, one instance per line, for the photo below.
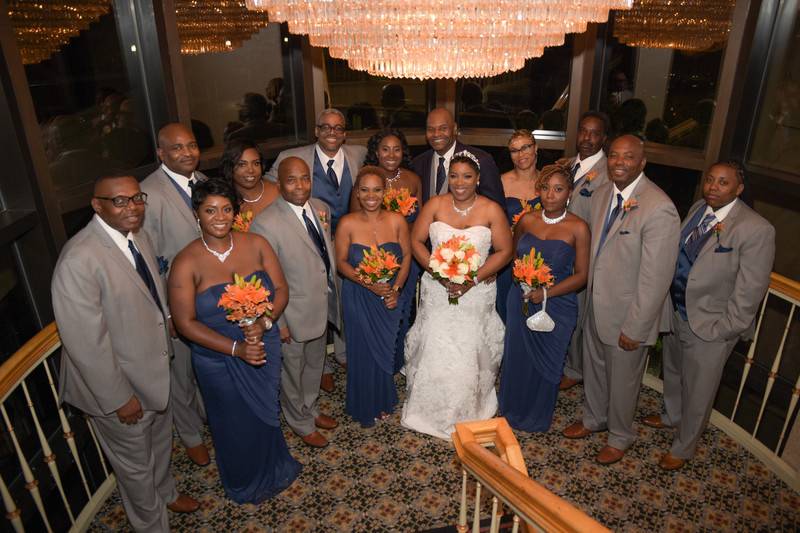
453 352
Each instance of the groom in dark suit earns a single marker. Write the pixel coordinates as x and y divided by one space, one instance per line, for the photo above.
432 166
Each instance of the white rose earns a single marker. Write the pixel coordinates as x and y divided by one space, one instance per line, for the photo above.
458 279
447 254
474 262
434 263
463 268
460 255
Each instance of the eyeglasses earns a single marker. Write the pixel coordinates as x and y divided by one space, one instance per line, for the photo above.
523 148
327 128
139 198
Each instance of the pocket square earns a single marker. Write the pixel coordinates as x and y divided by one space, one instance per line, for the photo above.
586 192
722 249
163 264
624 232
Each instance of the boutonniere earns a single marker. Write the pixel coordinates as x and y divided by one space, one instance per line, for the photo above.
323 218
163 265
589 177
718 228
629 205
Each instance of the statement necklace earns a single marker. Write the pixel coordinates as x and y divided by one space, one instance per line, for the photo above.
395 177
257 199
464 212
221 256
548 220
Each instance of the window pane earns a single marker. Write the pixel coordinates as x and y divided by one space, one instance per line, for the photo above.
241 93
371 102
776 142
534 97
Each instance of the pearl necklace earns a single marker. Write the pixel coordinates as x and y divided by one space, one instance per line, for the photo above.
259 196
548 220
395 177
221 256
463 212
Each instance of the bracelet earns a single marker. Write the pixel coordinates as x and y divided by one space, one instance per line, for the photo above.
233 349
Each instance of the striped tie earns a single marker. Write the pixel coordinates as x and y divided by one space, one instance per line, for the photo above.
701 228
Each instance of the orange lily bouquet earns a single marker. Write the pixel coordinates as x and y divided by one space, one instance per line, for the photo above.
526 208
531 272
377 266
242 221
455 260
400 201
246 300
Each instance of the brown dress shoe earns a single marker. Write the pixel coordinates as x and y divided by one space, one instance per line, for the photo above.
609 455
184 504
199 455
654 421
326 383
576 430
567 383
325 422
315 440
670 462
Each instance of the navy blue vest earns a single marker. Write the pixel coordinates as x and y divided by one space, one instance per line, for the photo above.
687 255
322 188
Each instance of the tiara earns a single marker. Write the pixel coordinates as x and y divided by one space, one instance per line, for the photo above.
468 155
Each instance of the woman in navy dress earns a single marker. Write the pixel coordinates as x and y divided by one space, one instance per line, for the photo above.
371 310
238 368
522 195
532 360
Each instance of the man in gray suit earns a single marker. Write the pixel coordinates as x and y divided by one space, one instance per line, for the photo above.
333 166
298 228
171 225
721 277
635 230
589 171
109 305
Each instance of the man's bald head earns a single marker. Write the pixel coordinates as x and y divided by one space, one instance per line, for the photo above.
294 181
441 130
625 160
178 149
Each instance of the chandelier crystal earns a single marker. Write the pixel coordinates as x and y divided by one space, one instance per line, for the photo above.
220 26
436 38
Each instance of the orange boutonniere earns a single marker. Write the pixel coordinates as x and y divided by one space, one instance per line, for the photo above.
629 205
323 218
590 176
719 227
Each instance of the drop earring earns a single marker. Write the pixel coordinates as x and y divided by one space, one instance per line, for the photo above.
197 222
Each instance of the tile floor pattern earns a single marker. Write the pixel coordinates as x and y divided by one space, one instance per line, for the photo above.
391 479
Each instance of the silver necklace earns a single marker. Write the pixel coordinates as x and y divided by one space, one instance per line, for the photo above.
463 212
395 177
548 220
221 256
259 196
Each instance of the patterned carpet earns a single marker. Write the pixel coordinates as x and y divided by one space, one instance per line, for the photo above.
391 479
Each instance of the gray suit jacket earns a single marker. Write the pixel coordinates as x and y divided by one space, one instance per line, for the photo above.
310 307
580 200
115 340
730 276
168 221
353 153
630 277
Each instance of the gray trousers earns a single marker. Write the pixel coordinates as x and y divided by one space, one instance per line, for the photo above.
140 455
612 378
300 376
573 367
187 405
692 372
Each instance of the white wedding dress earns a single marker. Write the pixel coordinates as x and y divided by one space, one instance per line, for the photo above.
453 352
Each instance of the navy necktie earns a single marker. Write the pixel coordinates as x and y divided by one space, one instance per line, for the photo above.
701 228
332 175
144 273
575 169
610 221
440 176
319 242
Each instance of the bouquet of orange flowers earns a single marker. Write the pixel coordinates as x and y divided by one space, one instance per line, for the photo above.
531 272
526 208
400 201
455 260
242 221
246 300
377 266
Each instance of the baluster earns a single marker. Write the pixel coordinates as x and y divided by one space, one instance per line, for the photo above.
776 363
476 517
12 511
30 482
49 456
462 514
97 445
515 528
495 522
68 435
750 354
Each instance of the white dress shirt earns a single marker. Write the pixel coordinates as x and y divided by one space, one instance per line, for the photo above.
309 213
119 239
435 166
626 193
719 216
338 162
182 181
587 164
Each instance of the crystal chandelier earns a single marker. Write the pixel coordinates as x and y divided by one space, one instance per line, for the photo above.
219 26
437 38
690 25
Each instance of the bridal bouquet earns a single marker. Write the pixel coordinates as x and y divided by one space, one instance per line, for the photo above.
531 272
455 260
377 266
245 301
400 201
242 221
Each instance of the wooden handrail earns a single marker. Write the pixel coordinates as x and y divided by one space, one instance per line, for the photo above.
785 286
26 358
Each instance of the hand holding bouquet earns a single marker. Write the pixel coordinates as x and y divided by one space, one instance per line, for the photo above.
376 269
400 201
455 261
531 272
245 301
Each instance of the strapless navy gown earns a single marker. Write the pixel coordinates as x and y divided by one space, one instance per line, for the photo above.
533 361
371 336
406 303
242 407
504 277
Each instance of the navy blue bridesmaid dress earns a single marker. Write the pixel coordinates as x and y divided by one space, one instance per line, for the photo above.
533 361
406 303
371 336
504 277
242 406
